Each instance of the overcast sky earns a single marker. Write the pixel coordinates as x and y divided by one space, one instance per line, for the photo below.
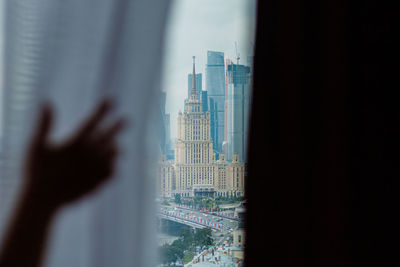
196 26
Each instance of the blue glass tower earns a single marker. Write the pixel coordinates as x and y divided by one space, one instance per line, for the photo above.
204 100
215 86
238 105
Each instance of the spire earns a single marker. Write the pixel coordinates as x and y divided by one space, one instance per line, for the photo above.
193 104
194 77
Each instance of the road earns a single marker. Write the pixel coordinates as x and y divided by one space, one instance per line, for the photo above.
220 235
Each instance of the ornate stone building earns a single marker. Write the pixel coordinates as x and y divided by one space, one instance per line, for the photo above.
195 172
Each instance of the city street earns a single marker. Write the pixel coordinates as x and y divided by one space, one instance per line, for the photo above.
227 225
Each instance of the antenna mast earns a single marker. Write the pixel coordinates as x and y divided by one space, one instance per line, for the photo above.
237 54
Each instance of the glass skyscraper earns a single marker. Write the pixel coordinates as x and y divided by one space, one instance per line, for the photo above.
165 137
213 119
204 100
215 86
238 104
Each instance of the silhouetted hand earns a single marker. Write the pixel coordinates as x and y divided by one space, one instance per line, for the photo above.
60 173
57 174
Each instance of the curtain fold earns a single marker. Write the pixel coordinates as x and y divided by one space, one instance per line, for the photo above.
324 142
73 53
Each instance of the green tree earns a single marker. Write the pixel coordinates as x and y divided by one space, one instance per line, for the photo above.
178 199
197 202
203 237
184 247
167 254
177 248
188 257
181 249
187 237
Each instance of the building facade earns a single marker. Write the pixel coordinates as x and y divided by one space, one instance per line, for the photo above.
165 132
237 110
194 155
195 170
215 86
204 100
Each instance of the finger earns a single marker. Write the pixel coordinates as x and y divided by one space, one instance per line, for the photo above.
44 126
97 116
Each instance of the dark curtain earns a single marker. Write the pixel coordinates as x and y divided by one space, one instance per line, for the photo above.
324 168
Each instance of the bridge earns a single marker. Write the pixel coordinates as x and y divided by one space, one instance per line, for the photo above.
196 221
222 225
180 220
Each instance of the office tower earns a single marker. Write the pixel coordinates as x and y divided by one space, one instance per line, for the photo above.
238 104
212 106
162 132
215 86
195 172
204 100
227 81
198 82
169 152
165 134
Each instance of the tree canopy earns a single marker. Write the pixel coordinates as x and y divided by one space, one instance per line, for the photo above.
188 240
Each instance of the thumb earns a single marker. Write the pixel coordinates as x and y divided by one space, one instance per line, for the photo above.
43 126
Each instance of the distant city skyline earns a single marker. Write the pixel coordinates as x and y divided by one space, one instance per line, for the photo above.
196 27
195 170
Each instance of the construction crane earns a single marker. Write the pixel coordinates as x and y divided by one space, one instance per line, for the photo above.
237 54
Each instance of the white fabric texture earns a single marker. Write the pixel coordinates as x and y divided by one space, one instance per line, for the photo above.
71 53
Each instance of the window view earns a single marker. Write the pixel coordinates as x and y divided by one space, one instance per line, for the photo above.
79 138
205 103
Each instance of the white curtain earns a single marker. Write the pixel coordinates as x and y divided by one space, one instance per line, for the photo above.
72 53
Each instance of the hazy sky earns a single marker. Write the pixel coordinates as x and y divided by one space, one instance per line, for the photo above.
196 26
